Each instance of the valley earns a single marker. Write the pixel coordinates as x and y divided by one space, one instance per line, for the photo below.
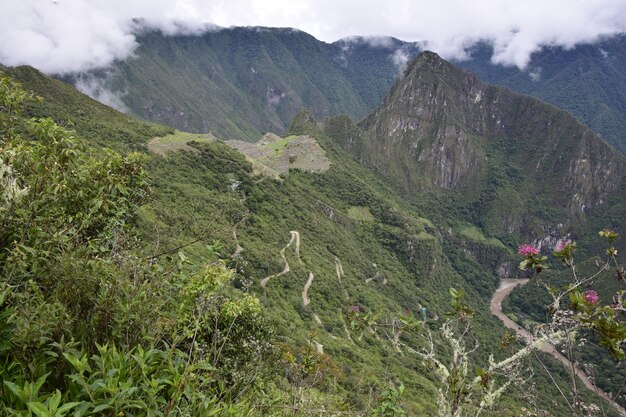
303 235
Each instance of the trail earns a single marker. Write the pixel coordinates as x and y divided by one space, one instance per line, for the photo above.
377 277
319 348
297 236
305 298
340 273
238 248
294 236
506 286
295 240
345 326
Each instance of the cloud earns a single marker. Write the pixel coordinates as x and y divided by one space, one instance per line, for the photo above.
374 41
72 36
400 58
69 36
98 88
534 74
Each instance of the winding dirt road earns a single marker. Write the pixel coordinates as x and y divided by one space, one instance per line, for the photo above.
305 291
506 286
238 248
340 273
295 236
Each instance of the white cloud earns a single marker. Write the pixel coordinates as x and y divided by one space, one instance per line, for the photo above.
97 88
534 74
373 41
61 36
68 36
400 58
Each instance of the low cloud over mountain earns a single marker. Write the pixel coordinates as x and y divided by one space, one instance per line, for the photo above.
65 36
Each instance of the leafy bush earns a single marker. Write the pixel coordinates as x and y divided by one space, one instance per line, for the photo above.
90 325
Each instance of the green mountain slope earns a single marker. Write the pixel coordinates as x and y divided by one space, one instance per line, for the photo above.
235 83
361 238
523 167
241 82
103 125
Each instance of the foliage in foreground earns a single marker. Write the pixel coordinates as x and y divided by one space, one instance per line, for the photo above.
89 325
96 322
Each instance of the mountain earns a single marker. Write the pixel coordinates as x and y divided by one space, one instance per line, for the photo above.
587 80
361 240
523 166
243 82
433 190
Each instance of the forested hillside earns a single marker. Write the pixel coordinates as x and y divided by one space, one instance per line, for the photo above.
181 278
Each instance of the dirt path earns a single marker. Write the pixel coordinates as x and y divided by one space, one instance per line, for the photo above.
319 348
340 273
294 236
377 277
506 286
238 248
305 291
345 326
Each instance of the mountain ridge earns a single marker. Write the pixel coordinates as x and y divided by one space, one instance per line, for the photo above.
441 128
172 80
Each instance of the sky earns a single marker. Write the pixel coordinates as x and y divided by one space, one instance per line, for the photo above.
72 36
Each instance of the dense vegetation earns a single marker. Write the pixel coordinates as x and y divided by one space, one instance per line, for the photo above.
91 326
122 290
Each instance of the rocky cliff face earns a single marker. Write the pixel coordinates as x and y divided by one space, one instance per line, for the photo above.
442 128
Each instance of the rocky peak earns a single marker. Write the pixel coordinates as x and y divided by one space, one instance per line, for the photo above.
442 128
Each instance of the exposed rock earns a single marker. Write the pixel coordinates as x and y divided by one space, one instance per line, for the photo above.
440 128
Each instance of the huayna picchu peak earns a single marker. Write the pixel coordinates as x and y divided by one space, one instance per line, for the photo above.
442 128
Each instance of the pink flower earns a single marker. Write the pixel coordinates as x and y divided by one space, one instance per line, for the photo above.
591 297
354 309
527 250
562 245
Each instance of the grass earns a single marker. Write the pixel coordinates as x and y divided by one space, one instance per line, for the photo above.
473 233
177 141
183 137
424 236
360 213
281 144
